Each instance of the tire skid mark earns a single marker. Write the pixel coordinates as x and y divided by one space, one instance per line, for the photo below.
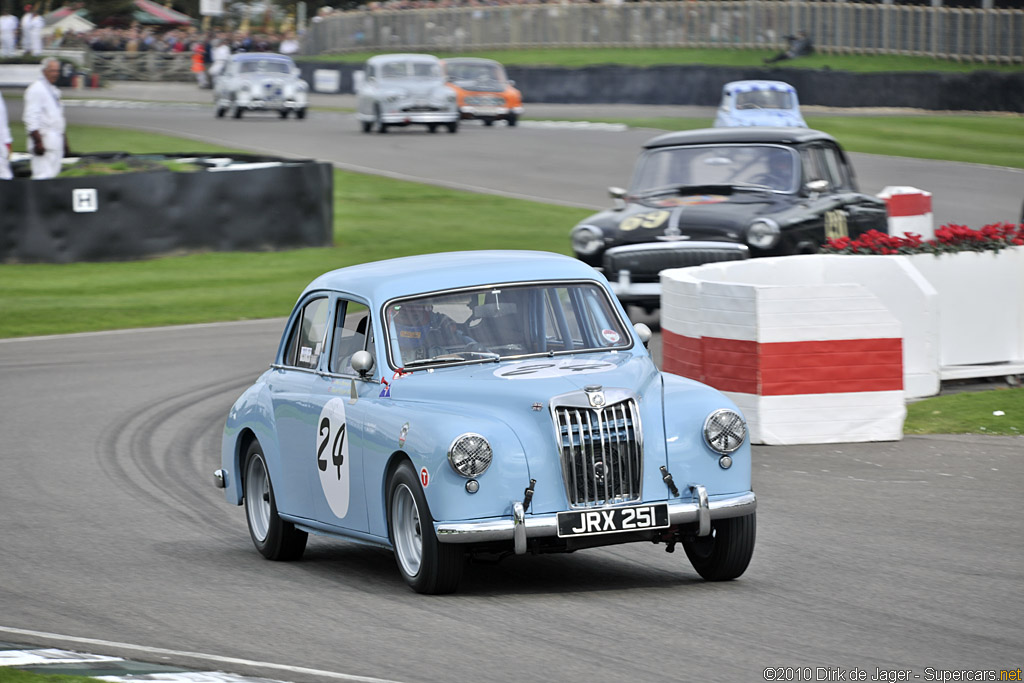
154 473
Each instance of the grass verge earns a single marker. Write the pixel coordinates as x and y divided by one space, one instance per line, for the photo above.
1000 411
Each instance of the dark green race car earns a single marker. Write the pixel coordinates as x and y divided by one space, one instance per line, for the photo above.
723 194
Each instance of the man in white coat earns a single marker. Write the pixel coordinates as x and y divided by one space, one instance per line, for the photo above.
26 29
44 122
5 142
8 34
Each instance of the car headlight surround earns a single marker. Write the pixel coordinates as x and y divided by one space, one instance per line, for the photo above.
470 455
763 233
725 431
587 239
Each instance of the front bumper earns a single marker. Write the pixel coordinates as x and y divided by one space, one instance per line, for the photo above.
258 104
483 112
520 527
403 117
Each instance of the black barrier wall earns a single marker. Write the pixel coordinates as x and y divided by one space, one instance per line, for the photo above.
134 215
702 86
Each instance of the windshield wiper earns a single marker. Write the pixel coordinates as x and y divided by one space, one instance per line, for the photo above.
456 357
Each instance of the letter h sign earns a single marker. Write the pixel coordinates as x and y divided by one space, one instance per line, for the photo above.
84 200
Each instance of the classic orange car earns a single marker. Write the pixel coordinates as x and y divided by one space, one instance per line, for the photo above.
483 90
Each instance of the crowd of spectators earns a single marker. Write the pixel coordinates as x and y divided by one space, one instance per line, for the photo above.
146 39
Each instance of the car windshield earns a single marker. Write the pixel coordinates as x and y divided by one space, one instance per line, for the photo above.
475 72
487 324
410 70
264 66
675 168
764 99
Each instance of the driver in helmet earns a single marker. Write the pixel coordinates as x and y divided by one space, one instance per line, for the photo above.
779 175
422 332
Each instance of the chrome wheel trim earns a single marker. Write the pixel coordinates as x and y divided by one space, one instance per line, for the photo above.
257 498
408 536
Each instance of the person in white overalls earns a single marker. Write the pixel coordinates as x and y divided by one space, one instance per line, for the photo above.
44 122
5 142
8 34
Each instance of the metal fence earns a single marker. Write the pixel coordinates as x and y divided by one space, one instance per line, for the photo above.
141 66
971 35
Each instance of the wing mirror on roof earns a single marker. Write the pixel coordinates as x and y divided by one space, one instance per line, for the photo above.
362 362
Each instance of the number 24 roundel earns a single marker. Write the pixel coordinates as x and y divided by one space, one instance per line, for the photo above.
332 456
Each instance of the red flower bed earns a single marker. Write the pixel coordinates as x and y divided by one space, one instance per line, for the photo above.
948 238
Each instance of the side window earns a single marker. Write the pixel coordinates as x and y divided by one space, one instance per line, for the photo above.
307 336
810 159
837 169
351 333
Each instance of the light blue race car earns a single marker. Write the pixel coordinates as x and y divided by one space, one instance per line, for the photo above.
482 403
759 103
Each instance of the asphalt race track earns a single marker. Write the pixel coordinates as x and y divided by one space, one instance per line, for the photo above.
891 556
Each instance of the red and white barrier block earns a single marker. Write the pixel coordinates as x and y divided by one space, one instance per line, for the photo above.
910 210
806 363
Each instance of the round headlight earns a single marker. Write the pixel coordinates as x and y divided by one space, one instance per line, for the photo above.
470 455
725 430
763 233
586 239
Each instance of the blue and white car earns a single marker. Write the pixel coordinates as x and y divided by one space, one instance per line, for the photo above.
482 403
260 81
759 103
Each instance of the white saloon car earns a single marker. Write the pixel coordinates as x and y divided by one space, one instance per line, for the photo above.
260 81
403 89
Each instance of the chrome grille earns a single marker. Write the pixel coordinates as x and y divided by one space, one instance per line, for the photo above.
601 450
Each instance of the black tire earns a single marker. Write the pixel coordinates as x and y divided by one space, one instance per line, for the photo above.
432 127
513 119
284 113
725 554
488 122
220 112
275 538
427 565
300 114
236 112
453 127
379 119
367 126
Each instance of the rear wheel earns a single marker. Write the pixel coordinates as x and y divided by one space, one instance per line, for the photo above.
367 126
275 538
236 111
221 111
725 553
488 122
512 119
379 118
300 113
427 565
432 127
284 113
453 127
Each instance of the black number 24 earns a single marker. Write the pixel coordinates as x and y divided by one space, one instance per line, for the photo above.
337 459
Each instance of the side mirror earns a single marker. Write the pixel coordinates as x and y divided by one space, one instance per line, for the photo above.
816 186
362 362
644 333
618 194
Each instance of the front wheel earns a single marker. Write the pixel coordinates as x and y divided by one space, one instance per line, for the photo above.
512 119
725 553
427 565
275 538
453 127
300 113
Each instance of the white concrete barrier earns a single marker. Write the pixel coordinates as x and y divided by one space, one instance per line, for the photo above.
807 357
910 211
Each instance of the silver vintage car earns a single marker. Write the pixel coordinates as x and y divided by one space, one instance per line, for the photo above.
260 81
403 89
